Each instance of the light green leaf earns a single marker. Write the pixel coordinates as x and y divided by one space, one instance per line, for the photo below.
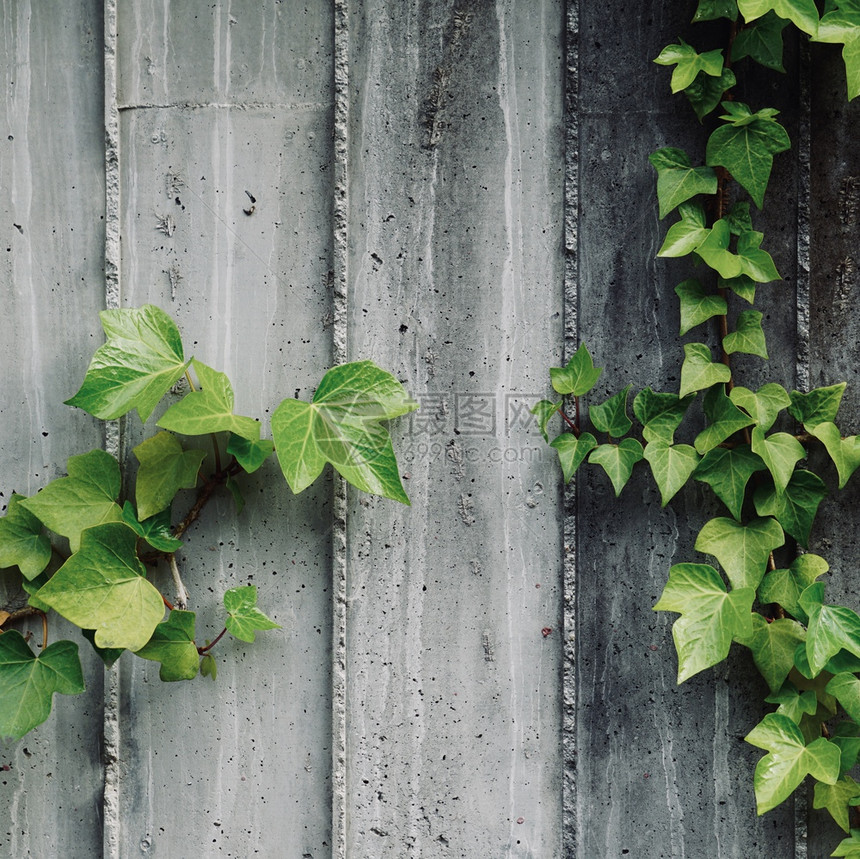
757 264
243 616
617 460
342 425
687 234
831 628
794 703
671 466
698 371
784 587
156 530
803 13
764 405
796 507
780 453
747 336
165 468
135 368
172 644
727 471
714 251
845 687
660 414
742 550
208 410
705 92
789 760
697 306
678 180
572 451
710 10
102 587
846 735
773 644
710 617
23 541
29 681
611 416
578 377
724 417
835 799
688 63
762 42
250 454
819 406
746 148
208 666
845 452
842 26
545 409
86 497
849 847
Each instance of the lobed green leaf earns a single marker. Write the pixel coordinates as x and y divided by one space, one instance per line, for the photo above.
545 409
764 405
611 416
243 616
842 26
803 13
23 541
572 451
773 644
617 460
762 41
250 454
747 337
727 471
678 180
688 63
795 508
784 587
660 413
845 452
172 644
165 468
831 628
697 306
724 417
835 798
780 452
742 550
578 376
671 466
698 371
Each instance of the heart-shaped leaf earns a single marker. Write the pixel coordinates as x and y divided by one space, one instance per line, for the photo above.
611 416
845 452
727 471
795 508
572 451
172 644
23 541
660 414
671 466
697 306
617 460
165 468
678 180
698 371
742 550
578 377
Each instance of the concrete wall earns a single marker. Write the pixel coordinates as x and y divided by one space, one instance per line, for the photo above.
460 192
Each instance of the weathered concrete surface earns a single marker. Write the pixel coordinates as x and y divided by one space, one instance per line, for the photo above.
52 227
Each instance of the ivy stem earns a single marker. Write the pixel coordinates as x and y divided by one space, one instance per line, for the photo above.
204 650
573 425
44 629
181 592
167 602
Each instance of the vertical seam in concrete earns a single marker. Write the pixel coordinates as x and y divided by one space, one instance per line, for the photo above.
571 335
802 299
111 740
340 217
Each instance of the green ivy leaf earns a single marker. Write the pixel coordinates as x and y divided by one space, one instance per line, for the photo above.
545 409
784 587
762 41
727 471
103 587
86 497
742 550
697 306
342 425
108 655
688 63
31 586
819 406
831 628
788 761
572 451
803 13
172 644
710 10
611 416
243 616
842 26
835 799
794 703
698 371
687 234
23 541
710 616
845 452
773 644
747 336
846 735
739 218
714 251
165 468
155 530
725 419
780 453
849 847
208 666
678 180
578 377
796 507
671 466
250 454
705 92
742 286
660 414
845 688
757 264
764 405
745 146
136 367
29 682
236 494
617 460
208 410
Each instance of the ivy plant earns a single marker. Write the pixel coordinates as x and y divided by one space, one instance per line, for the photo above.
757 585
85 546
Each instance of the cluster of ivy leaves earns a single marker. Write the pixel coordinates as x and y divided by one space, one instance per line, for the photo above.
102 584
752 452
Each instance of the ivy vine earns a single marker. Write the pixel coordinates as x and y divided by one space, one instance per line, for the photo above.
84 546
764 593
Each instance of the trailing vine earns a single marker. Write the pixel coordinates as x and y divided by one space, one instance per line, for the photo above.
765 593
85 546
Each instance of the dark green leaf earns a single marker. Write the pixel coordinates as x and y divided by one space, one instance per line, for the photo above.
710 10
572 451
762 42
831 628
742 550
846 735
236 494
155 530
243 616
780 453
165 468
794 703
617 460
727 471
739 219
835 799
818 406
108 655
773 645
671 466
845 688
660 414
724 417
795 509
845 452
697 306
172 644
742 286
688 63
698 371
705 92
578 377
23 541
784 587
611 416
678 180
208 666
250 454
